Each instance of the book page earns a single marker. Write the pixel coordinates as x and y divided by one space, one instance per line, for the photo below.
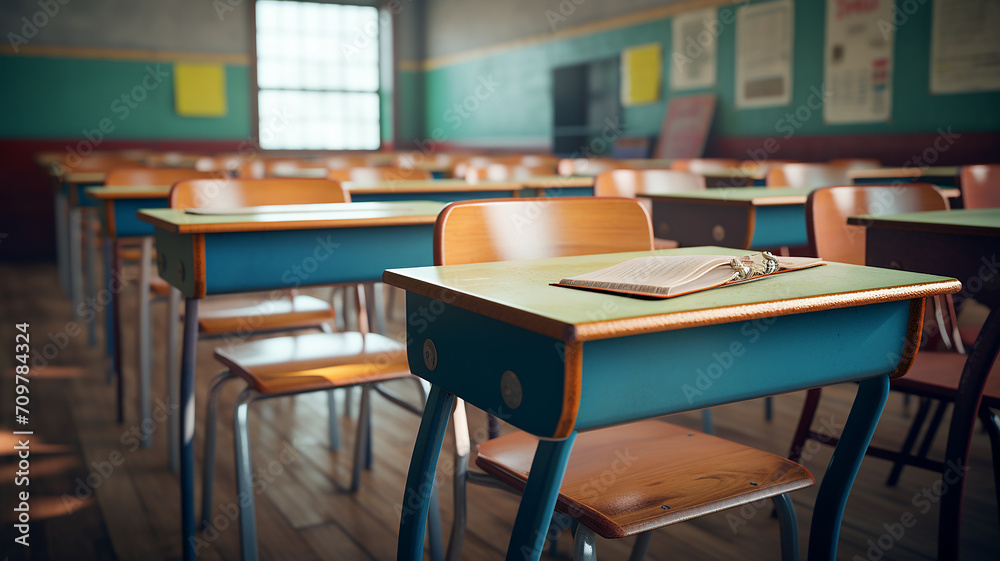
658 275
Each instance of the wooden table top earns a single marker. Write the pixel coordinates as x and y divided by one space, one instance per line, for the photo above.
293 217
84 177
430 186
980 221
738 196
519 293
552 181
129 192
878 173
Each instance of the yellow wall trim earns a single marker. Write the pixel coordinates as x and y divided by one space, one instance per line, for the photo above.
624 20
409 65
123 54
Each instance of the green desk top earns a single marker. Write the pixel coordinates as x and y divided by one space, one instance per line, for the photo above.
879 173
339 215
739 196
128 192
430 186
980 221
519 293
557 181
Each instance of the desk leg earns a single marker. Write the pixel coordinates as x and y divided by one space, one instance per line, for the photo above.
843 468
109 310
116 271
173 318
539 499
420 478
91 239
963 421
186 426
145 343
76 260
62 231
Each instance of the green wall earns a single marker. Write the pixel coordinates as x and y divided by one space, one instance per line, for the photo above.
521 108
62 97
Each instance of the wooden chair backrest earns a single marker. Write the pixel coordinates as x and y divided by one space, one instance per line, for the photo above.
506 172
630 182
508 229
827 210
229 163
705 165
153 176
981 186
376 175
809 176
586 166
236 193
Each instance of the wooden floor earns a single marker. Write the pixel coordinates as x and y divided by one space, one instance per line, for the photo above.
303 509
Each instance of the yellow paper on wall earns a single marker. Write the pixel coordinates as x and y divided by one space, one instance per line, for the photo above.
642 74
200 90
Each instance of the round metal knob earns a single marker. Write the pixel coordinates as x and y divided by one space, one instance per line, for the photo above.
430 355
510 389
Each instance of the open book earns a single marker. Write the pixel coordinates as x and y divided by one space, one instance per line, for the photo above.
666 276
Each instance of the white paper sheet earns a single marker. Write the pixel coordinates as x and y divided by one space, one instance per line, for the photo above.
858 61
764 55
965 46
695 50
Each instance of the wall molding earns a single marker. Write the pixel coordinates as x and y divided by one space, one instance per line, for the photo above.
101 53
604 24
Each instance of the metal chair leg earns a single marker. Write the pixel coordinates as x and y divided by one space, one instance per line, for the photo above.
173 375
208 461
360 441
584 543
789 525
768 408
909 441
244 477
434 534
992 425
145 340
707 425
332 420
805 422
462 451
641 546
91 239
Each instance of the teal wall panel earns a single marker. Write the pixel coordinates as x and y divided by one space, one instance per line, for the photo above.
64 98
521 106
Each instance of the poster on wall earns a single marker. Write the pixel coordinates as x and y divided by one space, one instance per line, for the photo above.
764 55
693 58
858 61
965 46
685 127
642 74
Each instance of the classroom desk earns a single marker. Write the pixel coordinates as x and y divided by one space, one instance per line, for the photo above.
72 232
553 361
734 177
440 190
117 208
963 244
746 217
272 248
944 176
558 185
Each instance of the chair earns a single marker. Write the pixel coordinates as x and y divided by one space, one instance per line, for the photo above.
807 175
675 461
505 172
981 186
219 316
705 165
376 175
933 375
587 166
150 284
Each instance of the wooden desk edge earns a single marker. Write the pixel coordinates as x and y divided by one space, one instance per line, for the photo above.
219 228
101 194
957 229
593 331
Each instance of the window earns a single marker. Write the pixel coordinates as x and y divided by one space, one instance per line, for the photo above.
317 76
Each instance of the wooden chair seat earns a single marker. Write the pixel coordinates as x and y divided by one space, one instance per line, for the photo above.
936 374
315 361
133 253
242 313
158 286
712 474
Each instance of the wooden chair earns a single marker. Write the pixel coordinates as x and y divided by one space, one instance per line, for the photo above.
704 165
587 166
505 172
807 175
981 186
376 175
222 315
933 375
674 462
226 163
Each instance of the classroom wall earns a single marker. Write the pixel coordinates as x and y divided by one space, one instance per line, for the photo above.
515 45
